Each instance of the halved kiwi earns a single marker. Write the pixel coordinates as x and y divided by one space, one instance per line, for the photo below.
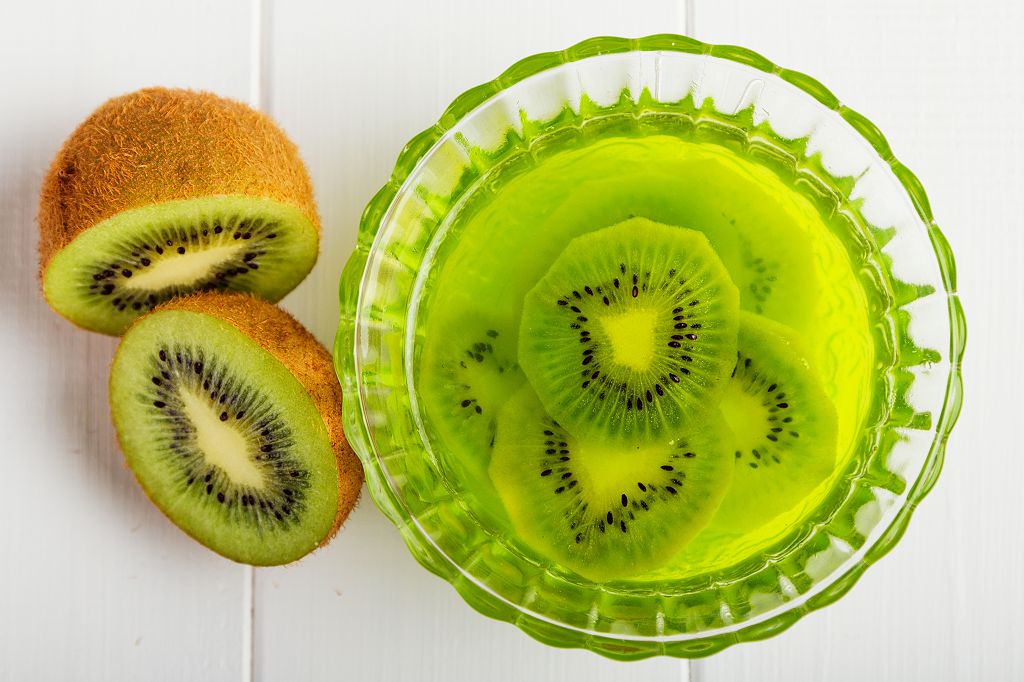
783 424
229 414
632 331
606 511
160 193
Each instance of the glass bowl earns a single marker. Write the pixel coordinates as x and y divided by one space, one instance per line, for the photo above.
779 119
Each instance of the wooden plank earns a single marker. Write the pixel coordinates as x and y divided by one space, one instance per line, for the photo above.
352 83
939 78
94 584
363 609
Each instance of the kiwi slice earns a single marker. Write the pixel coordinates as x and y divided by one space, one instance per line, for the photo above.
752 222
229 414
603 510
783 423
632 331
468 371
160 193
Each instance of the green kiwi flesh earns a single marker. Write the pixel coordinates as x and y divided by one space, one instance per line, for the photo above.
783 424
602 510
223 438
125 266
631 333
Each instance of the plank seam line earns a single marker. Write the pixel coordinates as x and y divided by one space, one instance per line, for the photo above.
688 10
259 98
248 621
259 55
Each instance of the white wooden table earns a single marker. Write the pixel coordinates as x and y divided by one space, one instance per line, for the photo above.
96 585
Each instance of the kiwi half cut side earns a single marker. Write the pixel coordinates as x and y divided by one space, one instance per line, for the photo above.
229 414
603 510
783 424
160 193
632 332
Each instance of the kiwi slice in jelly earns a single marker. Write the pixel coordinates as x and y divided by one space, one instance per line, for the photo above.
756 229
160 193
631 333
229 414
465 375
784 426
606 511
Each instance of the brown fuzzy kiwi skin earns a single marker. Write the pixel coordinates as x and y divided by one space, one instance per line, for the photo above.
157 145
297 349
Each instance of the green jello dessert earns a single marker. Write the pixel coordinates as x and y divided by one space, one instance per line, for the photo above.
819 228
507 237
